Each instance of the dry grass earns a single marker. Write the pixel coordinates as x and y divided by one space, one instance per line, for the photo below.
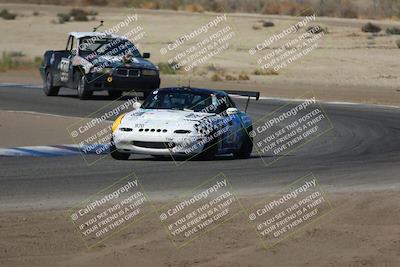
230 77
216 77
17 60
266 72
243 76
193 8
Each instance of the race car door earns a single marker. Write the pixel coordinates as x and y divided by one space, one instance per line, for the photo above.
232 125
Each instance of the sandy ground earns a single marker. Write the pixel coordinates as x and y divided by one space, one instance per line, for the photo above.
363 230
348 65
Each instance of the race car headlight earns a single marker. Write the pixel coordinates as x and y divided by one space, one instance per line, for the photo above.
117 122
149 72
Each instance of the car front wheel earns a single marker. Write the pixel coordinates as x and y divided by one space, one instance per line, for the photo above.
246 148
210 150
83 91
115 154
48 87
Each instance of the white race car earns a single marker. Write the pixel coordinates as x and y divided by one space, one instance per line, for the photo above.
184 122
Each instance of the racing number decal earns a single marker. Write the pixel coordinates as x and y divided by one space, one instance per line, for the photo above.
64 69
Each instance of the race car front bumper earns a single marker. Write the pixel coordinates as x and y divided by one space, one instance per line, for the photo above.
112 82
158 144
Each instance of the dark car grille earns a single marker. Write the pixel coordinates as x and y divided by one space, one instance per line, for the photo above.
159 145
127 72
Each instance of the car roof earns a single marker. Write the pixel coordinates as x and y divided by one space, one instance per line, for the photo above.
192 89
94 34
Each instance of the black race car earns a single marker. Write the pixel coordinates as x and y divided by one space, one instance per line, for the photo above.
96 61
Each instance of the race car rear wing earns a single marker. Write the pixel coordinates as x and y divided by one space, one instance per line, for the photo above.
247 94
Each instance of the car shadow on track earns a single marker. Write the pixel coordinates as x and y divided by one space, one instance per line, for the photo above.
183 159
102 97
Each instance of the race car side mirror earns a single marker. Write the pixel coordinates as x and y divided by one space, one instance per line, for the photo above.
232 111
146 55
136 105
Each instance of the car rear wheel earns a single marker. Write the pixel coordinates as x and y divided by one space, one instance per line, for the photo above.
48 87
115 154
83 91
246 148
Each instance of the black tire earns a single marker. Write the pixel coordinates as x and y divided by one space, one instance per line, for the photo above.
48 87
210 150
246 147
83 91
117 155
115 94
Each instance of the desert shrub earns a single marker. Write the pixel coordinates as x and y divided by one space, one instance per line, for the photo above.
350 14
151 5
308 11
229 77
76 14
5 14
38 61
285 7
16 60
348 10
35 13
212 5
316 29
398 43
256 27
243 76
216 77
94 2
271 7
166 68
214 68
79 14
63 17
265 72
370 27
393 30
16 54
194 8
267 24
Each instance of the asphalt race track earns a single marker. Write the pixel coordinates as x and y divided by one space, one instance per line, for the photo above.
362 151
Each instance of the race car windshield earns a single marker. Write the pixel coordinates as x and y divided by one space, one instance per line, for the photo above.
196 102
107 47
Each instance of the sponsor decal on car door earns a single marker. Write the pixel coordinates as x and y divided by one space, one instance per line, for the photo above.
64 69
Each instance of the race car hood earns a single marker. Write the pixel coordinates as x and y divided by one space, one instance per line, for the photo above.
112 62
118 61
163 119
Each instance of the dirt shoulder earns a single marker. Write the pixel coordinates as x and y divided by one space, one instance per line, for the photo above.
362 230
